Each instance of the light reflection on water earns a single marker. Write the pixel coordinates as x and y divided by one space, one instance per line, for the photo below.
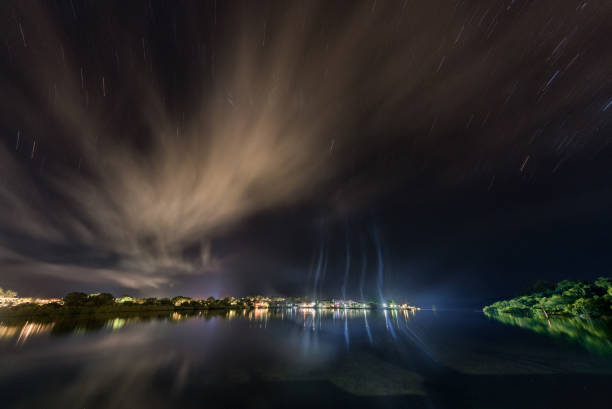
311 318
7 332
33 329
24 332
595 335
284 357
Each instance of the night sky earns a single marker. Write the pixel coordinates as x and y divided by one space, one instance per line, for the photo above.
439 152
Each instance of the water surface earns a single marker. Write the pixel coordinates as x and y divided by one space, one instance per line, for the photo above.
298 359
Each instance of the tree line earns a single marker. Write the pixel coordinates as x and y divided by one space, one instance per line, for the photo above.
570 298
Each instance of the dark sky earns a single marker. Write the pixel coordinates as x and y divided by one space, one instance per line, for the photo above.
442 152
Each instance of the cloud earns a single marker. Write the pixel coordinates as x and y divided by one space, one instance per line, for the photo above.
134 156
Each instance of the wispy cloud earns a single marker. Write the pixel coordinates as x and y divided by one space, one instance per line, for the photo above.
112 179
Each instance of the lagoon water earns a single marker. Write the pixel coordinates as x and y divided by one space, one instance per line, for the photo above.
304 359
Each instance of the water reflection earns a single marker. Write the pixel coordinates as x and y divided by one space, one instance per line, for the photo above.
593 334
22 330
211 348
25 331
284 358
32 329
8 332
314 319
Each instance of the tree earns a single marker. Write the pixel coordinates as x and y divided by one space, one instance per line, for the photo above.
75 299
593 306
102 299
554 304
576 292
567 297
604 282
125 299
7 293
179 300
566 285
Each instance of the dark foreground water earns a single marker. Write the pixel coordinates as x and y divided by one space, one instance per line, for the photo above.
305 359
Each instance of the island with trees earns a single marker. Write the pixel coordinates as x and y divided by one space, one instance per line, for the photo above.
566 298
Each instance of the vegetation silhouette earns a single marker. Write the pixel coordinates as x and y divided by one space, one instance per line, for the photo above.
566 298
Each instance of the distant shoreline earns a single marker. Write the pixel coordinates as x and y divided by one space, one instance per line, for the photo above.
55 311
78 303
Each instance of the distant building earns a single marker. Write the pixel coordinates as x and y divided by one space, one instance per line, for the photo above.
352 304
8 301
325 304
12 301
